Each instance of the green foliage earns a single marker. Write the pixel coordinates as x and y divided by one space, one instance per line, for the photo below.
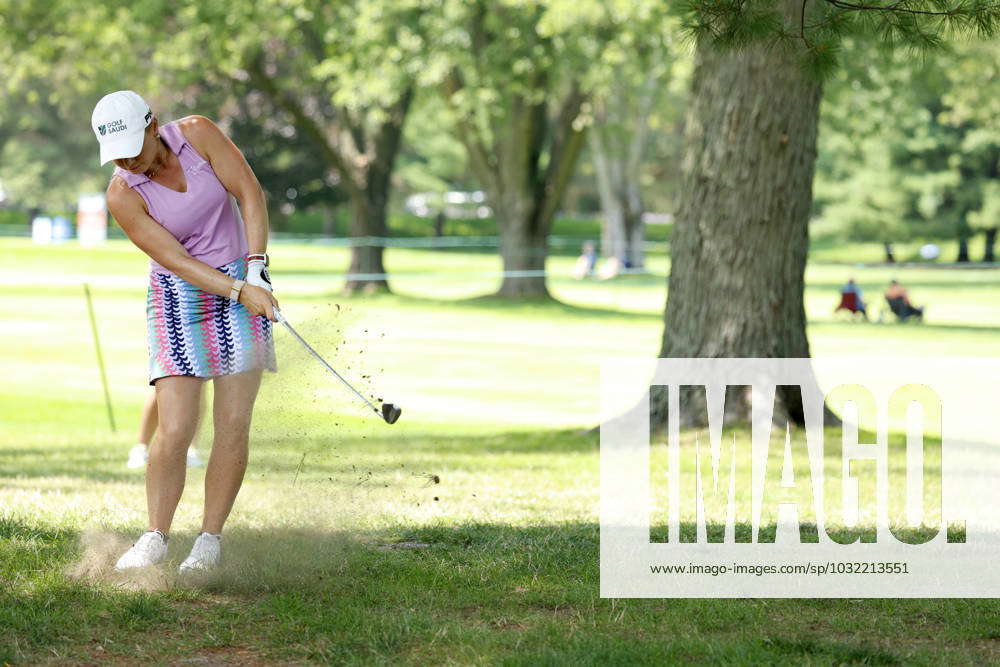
901 157
12 217
56 57
431 159
512 53
822 28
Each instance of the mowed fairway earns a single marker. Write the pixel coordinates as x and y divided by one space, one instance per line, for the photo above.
467 533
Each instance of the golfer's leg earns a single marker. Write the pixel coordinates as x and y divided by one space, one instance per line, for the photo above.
177 407
234 399
147 426
201 410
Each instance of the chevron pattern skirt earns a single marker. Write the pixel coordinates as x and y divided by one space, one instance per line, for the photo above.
196 333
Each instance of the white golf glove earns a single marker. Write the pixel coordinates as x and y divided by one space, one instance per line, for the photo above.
257 273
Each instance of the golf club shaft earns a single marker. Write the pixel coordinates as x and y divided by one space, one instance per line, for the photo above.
321 360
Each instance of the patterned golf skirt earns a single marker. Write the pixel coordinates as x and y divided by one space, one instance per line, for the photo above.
196 333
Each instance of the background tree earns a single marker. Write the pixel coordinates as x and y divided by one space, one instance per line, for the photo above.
628 108
432 159
48 155
336 82
294 176
973 101
515 87
898 162
741 237
859 195
340 74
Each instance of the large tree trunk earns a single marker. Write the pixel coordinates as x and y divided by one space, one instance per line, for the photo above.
329 214
890 258
613 230
991 239
364 159
635 228
523 187
738 249
370 201
963 249
367 220
618 143
623 232
524 245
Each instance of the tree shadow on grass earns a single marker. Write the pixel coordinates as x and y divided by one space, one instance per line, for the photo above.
35 462
275 455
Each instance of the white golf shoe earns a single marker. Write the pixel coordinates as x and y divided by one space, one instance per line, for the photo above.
149 549
137 457
205 553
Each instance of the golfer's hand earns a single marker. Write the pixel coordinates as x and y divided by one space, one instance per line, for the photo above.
257 274
259 301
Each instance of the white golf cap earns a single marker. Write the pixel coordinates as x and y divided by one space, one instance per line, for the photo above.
119 122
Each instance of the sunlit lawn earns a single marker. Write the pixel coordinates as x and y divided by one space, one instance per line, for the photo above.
498 400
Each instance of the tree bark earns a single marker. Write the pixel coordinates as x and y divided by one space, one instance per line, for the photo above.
329 221
738 249
613 207
369 203
963 249
889 257
367 220
991 239
524 249
635 228
623 232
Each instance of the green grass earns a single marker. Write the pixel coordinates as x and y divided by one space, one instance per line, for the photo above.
497 399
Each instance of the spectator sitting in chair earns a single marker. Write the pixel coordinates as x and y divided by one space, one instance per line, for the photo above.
850 299
899 303
586 262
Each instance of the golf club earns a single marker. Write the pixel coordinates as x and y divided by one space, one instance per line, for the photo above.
389 412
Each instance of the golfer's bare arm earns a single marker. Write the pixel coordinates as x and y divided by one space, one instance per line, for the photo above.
130 212
235 174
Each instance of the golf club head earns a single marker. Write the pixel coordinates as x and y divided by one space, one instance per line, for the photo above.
391 412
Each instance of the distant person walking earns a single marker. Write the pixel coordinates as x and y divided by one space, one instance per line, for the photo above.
899 303
209 306
586 262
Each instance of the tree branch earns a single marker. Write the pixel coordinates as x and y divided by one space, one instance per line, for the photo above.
802 24
895 8
644 108
566 144
304 122
386 141
312 40
469 135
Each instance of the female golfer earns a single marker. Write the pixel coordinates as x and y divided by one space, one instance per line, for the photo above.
209 306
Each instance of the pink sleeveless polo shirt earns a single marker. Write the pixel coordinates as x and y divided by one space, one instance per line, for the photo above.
205 219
